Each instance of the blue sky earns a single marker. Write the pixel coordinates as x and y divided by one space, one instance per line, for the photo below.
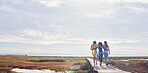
68 27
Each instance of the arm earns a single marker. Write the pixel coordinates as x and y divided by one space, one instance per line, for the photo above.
103 46
98 45
91 47
108 49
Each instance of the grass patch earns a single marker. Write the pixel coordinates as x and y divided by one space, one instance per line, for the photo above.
42 62
139 66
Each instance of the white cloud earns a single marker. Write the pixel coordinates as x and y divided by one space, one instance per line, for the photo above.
108 1
49 3
41 37
17 1
33 33
128 50
7 8
112 1
101 14
142 1
42 34
119 1
136 9
34 24
13 38
117 41
12 10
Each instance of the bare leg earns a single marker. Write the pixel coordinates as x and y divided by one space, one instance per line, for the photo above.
94 61
100 60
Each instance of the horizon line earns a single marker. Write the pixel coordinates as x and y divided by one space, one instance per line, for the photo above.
74 55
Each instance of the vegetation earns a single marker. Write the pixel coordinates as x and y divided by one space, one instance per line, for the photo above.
126 58
77 64
140 66
42 62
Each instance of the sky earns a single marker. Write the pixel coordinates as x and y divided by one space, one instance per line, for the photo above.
68 27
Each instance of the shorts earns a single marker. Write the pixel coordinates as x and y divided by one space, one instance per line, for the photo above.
94 53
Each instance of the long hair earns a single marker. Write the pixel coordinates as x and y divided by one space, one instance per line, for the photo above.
94 42
100 43
105 44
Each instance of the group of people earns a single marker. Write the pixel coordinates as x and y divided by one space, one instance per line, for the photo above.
100 52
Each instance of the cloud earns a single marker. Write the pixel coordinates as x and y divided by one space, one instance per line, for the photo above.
101 14
142 1
15 11
74 26
128 50
7 8
33 33
136 9
49 3
111 1
117 41
120 1
45 35
17 1
41 37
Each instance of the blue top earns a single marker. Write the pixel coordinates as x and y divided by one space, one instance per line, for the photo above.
100 49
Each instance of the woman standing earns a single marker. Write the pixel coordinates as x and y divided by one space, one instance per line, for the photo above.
94 51
100 52
106 49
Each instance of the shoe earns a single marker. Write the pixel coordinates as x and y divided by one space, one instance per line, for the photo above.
107 64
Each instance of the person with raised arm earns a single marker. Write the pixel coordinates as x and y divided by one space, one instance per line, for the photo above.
100 52
94 52
106 52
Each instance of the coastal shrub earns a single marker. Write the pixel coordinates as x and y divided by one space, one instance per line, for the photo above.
133 66
46 60
2 65
85 66
77 64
